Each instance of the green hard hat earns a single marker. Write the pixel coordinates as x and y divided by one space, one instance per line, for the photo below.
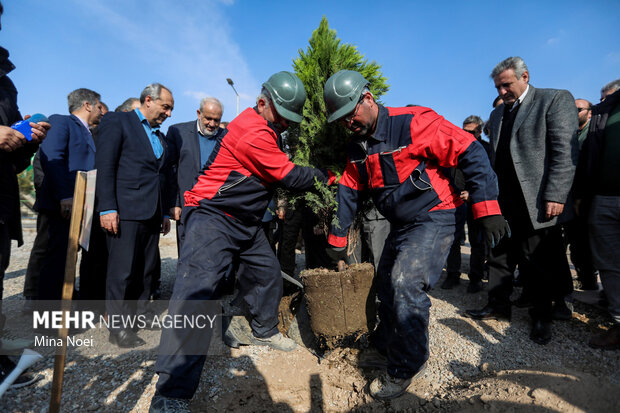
287 94
342 92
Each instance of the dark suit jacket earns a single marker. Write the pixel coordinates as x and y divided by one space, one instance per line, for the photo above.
130 179
543 147
182 140
68 148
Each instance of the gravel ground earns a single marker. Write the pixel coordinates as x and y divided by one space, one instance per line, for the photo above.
473 366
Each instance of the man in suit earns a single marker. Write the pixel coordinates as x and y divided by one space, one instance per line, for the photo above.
131 179
69 148
190 145
534 142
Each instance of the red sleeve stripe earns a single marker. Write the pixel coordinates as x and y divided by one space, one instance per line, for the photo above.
337 241
351 178
484 208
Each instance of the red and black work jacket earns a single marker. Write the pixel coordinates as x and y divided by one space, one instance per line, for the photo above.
401 166
244 168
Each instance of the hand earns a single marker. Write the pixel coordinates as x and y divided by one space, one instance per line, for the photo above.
39 130
175 213
281 213
110 222
338 257
10 139
494 227
465 196
553 209
165 226
65 208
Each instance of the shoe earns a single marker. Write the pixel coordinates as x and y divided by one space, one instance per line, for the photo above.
524 301
607 341
126 339
162 404
541 332
474 286
489 313
371 358
278 342
149 321
29 305
451 281
25 379
386 387
561 311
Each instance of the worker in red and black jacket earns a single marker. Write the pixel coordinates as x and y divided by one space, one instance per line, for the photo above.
397 155
222 218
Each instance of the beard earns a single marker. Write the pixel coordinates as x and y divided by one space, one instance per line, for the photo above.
207 132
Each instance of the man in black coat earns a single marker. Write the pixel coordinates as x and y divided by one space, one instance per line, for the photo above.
131 198
190 144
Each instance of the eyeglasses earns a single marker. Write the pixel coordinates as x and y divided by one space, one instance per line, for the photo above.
347 119
579 110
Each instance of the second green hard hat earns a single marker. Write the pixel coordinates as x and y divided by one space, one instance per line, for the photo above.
342 92
287 94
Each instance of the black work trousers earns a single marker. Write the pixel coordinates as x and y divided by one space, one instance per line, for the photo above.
212 241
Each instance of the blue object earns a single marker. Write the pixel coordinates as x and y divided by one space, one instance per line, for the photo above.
23 126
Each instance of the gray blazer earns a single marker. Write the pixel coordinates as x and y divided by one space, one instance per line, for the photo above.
544 150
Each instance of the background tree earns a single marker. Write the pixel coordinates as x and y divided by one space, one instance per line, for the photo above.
314 142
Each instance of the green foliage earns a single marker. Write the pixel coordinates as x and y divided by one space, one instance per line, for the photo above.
25 181
314 142
26 187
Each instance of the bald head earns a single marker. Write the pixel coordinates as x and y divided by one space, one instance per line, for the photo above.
584 109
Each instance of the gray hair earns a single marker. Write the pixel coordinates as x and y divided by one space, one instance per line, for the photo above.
611 86
515 63
474 119
126 105
153 90
212 100
80 96
265 95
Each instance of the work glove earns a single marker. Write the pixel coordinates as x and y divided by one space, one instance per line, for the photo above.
494 227
336 255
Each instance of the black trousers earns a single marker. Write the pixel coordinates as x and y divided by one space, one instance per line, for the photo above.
133 259
539 254
479 251
94 265
52 275
37 253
